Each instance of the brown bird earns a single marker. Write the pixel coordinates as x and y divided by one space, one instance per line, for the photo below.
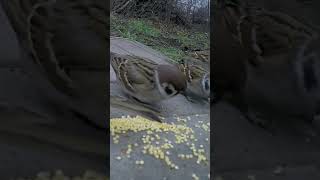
268 35
276 54
201 58
60 35
288 89
146 80
198 82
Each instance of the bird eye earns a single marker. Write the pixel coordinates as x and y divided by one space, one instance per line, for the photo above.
168 90
206 85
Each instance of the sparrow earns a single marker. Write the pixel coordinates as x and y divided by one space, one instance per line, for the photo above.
273 47
202 58
251 33
53 33
288 89
269 35
198 58
203 55
274 39
145 80
198 82
307 67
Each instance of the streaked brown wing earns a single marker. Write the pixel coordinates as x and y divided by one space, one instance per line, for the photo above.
270 33
32 22
133 74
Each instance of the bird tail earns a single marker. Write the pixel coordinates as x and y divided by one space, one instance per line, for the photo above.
141 109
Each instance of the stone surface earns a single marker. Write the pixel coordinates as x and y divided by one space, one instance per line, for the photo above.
125 46
242 149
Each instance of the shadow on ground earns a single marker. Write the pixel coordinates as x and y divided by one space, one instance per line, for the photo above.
244 151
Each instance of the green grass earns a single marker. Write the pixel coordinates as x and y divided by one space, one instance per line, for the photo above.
133 29
173 41
173 53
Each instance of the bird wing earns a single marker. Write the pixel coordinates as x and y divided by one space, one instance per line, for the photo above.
134 72
34 31
264 33
192 71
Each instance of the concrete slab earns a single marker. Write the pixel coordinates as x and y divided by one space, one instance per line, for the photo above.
34 129
242 149
309 172
153 168
124 46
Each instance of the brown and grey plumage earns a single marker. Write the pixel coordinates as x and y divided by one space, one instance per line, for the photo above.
267 35
146 80
254 34
57 37
198 81
201 58
277 59
283 74
285 90
61 34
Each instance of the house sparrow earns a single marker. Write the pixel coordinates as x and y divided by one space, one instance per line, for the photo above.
203 55
254 34
271 49
267 35
198 82
49 42
145 80
272 42
202 58
33 31
307 67
285 89
47 31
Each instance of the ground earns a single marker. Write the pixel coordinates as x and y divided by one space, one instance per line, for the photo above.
243 151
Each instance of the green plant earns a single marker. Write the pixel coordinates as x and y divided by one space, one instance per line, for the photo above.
169 39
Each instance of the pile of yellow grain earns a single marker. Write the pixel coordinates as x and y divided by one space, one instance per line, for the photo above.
153 141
